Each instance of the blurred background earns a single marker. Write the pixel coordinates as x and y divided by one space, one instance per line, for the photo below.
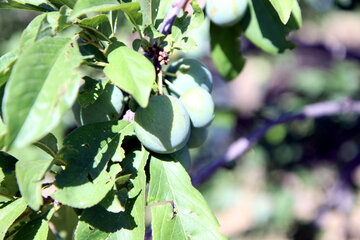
301 181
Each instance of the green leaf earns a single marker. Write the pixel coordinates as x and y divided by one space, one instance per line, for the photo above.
9 214
151 32
40 5
132 72
149 9
7 62
263 27
295 21
225 50
134 164
86 6
42 87
94 22
36 229
188 215
8 185
40 27
283 9
29 174
90 91
87 150
129 224
48 144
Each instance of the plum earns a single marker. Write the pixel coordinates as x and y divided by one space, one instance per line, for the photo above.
199 105
190 73
108 106
197 137
164 125
226 12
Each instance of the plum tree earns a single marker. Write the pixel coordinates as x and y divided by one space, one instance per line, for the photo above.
108 106
164 125
199 105
190 73
197 137
226 12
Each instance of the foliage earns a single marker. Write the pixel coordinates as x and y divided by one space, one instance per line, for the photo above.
101 169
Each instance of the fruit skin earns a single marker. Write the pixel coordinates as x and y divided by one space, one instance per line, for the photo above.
190 73
197 137
164 125
226 12
199 105
107 107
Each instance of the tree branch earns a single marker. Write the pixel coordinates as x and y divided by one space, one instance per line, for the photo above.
242 145
170 17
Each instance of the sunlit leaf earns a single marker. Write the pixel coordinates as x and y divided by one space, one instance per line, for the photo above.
42 87
132 72
9 214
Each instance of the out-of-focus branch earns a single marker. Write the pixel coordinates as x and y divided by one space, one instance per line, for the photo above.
170 17
242 145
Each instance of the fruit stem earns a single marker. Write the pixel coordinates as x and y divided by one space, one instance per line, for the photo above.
170 74
174 88
160 82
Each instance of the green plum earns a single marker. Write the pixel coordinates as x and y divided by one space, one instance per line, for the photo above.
190 73
199 105
164 125
197 137
107 107
226 12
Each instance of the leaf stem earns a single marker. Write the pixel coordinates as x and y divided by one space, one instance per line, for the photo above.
174 88
160 82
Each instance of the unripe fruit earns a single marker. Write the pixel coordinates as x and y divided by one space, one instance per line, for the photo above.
199 105
107 107
197 137
190 73
164 125
226 12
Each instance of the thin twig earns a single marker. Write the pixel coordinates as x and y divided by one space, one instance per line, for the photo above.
170 17
242 145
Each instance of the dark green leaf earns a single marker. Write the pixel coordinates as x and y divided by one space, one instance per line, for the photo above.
128 224
48 144
283 9
295 21
90 91
6 64
225 50
94 22
86 6
263 27
151 32
8 185
34 230
29 175
9 214
33 110
187 214
124 71
87 150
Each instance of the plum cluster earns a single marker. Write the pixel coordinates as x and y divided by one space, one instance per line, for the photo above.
172 123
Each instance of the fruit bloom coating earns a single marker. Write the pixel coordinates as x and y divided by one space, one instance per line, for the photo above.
190 73
107 107
164 125
226 12
197 137
199 105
